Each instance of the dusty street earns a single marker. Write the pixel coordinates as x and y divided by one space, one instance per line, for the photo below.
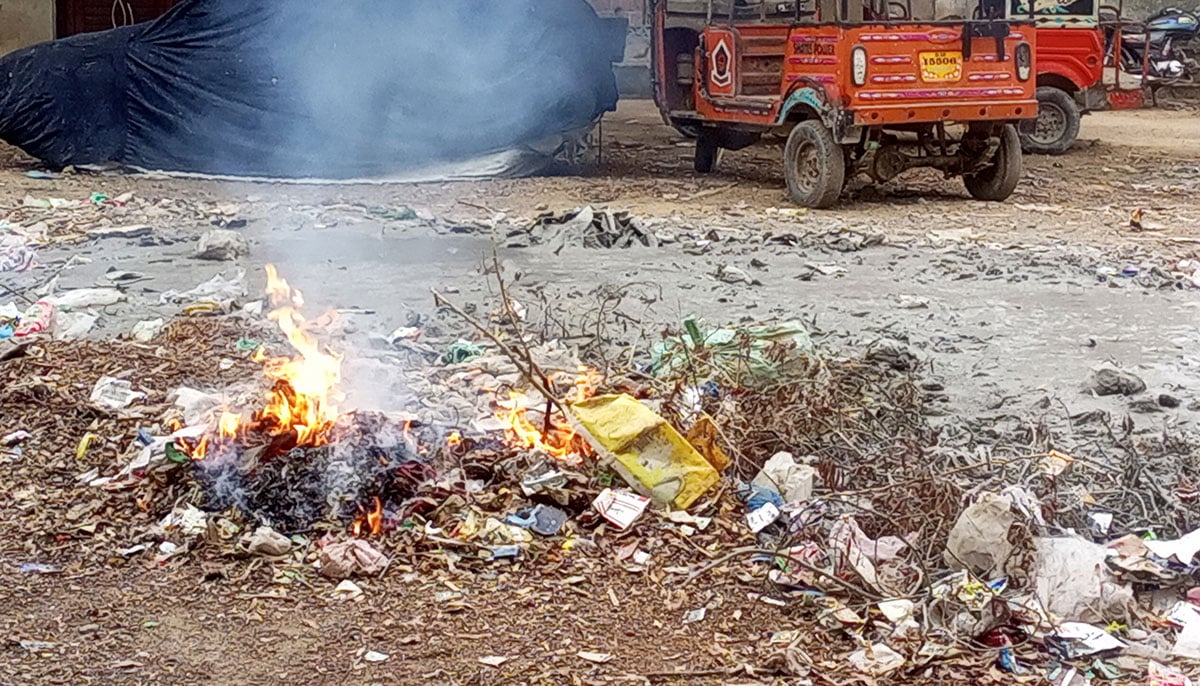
1008 307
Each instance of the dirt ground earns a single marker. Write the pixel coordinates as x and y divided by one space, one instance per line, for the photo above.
1012 303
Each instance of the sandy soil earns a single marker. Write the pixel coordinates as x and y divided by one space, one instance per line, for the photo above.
1026 321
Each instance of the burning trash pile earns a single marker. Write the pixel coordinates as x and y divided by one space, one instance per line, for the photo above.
821 482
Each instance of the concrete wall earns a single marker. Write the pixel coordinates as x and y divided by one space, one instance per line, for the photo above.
25 22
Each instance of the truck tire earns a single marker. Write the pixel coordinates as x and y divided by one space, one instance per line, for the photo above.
814 165
707 151
1057 124
998 180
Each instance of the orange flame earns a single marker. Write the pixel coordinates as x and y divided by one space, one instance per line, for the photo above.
302 399
560 440
369 521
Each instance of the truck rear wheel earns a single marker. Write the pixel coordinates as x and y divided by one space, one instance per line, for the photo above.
707 151
1057 124
999 178
814 165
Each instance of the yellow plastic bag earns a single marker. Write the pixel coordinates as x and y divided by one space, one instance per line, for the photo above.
645 450
705 438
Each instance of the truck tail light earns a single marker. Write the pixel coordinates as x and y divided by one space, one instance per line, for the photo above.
1024 59
858 59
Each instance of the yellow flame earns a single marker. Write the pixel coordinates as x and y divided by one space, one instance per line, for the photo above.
560 440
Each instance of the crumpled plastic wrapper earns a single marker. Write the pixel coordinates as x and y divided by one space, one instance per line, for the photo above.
351 558
267 541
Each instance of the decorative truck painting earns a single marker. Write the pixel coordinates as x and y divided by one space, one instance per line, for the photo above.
857 88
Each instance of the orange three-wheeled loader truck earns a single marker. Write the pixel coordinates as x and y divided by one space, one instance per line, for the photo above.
857 86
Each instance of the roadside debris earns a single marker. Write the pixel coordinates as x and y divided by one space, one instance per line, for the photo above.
587 228
792 480
84 298
114 394
222 245
147 329
646 450
16 255
267 541
728 464
217 289
1112 381
620 508
344 559
980 541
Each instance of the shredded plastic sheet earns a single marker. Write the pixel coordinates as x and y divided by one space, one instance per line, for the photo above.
298 89
762 351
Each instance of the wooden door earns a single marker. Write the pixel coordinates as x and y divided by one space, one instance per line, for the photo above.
82 16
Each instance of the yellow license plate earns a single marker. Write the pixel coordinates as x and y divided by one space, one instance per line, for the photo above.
940 67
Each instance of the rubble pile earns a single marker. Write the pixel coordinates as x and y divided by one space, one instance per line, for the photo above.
817 482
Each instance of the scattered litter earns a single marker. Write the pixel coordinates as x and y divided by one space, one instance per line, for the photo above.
221 245
16 255
267 541
114 394
645 450
131 231
375 656
792 480
1162 675
731 274
979 541
1077 639
345 559
404 333
217 289
876 660
853 241
147 329
493 660
83 298
38 568
1055 463
1182 550
1102 521
693 616
347 590
547 520
184 519
598 658
1111 381
587 228
761 518
1187 641
1073 583
620 508
39 318
541 481
462 351
765 351
73 325
15 438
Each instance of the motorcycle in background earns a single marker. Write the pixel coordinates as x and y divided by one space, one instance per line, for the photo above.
1160 44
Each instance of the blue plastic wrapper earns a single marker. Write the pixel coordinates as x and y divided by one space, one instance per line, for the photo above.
1008 662
757 496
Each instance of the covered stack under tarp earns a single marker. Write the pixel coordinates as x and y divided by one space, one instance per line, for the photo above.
314 88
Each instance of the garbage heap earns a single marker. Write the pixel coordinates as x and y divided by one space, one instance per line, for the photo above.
819 478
